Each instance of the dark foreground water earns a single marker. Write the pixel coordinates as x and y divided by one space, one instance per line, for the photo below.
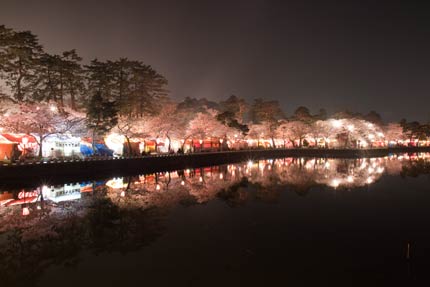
322 222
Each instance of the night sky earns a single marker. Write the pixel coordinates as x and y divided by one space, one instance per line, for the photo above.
329 54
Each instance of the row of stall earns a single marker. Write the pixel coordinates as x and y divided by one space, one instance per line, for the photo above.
21 146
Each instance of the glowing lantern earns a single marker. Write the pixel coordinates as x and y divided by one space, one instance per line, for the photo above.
335 182
25 211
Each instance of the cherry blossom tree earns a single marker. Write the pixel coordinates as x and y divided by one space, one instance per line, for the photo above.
205 125
257 131
132 128
39 121
394 132
320 130
168 123
294 130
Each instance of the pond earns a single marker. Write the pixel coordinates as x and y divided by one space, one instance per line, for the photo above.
277 221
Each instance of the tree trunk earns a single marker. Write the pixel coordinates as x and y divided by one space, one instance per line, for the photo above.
170 143
18 82
40 145
61 93
93 142
72 98
128 183
128 146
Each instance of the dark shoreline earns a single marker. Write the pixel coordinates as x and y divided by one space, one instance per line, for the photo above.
23 175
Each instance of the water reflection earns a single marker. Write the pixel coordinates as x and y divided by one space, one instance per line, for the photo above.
54 224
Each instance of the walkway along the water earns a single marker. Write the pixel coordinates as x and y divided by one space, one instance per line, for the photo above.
94 168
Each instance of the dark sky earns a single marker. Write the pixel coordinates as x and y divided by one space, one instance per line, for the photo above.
359 56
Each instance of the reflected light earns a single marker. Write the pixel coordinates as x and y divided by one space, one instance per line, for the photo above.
25 211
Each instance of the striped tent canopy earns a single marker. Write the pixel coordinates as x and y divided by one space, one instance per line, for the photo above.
4 140
18 138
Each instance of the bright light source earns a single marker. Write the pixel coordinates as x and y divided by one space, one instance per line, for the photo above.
25 211
336 123
335 182
116 183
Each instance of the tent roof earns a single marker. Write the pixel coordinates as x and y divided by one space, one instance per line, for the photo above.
17 138
4 140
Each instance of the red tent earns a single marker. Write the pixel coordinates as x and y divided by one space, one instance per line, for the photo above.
6 148
17 138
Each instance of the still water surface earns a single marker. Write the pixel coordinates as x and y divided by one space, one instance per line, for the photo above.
283 221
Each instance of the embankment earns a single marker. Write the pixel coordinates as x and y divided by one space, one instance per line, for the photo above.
24 174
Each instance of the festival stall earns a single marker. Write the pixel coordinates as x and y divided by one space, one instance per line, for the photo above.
56 146
7 149
26 144
61 193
